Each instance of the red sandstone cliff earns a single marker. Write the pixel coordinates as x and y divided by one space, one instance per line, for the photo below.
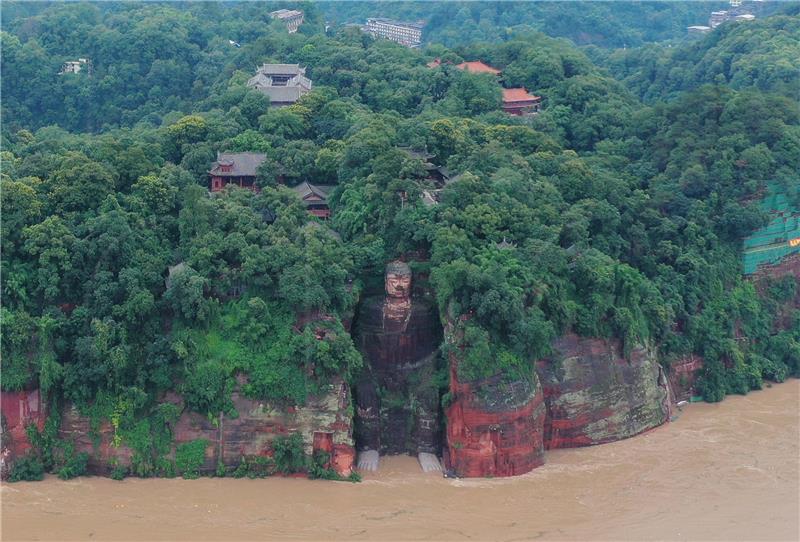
594 394
683 374
494 428
324 423
19 409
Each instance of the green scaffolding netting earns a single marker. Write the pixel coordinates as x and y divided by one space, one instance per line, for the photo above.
770 244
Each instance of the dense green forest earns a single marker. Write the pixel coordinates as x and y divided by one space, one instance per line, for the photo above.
762 57
605 24
616 212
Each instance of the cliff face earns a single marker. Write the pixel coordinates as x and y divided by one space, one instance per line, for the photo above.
324 423
595 395
19 410
494 428
683 374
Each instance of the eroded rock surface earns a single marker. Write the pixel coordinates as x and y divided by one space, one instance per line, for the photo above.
594 394
324 423
683 374
19 410
494 427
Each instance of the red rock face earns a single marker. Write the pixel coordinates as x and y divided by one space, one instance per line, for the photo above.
323 422
595 395
683 374
99 444
19 410
343 458
493 428
788 266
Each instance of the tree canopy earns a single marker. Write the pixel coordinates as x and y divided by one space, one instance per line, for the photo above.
618 211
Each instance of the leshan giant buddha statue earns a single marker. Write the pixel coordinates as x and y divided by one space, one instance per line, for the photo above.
397 399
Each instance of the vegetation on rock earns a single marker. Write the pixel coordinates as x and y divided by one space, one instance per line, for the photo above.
618 211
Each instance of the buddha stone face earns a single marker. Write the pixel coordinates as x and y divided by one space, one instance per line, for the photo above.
398 280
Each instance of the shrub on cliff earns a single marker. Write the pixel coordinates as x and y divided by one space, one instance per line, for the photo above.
74 466
27 468
190 456
289 454
254 467
482 358
256 338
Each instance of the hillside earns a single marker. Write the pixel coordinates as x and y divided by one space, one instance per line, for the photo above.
615 215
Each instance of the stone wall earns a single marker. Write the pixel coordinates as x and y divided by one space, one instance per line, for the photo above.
594 394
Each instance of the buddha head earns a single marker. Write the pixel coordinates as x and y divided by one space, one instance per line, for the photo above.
398 280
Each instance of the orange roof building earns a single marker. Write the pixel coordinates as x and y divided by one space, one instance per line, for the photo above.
517 101
478 67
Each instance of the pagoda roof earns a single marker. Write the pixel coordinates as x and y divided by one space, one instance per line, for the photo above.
320 191
245 164
477 66
518 95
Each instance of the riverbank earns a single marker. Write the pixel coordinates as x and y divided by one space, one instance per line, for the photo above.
724 471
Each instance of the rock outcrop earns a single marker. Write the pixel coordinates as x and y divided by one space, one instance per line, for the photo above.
683 374
324 423
19 409
595 394
494 427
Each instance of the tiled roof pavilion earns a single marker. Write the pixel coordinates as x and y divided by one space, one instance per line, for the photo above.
477 67
517 95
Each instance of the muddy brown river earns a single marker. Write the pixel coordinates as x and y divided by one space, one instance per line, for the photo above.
726 471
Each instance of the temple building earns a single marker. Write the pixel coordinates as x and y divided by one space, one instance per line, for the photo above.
478 67
438 175
736 14
404 33
283 83
315 199
237 168
292 18
517 101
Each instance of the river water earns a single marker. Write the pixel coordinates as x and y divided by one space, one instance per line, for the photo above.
726 471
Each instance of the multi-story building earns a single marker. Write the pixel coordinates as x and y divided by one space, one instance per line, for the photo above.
698 29
404 33
717 18
736 14
74 66
292 18
283 83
